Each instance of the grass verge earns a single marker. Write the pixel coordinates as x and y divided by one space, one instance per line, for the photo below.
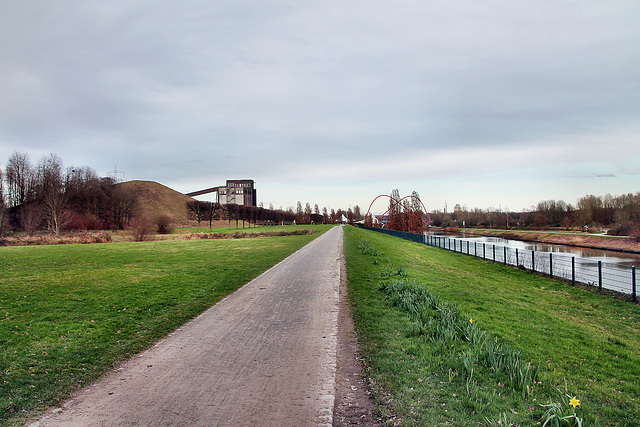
252 229
428 364
70 313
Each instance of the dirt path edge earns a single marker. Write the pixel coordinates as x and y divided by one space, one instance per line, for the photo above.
353 402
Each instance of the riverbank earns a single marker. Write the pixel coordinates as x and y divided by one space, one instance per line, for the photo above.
602 242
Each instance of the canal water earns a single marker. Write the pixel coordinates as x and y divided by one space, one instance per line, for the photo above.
588 255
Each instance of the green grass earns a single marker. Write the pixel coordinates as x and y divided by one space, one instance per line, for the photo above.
204 228
70 313
588 341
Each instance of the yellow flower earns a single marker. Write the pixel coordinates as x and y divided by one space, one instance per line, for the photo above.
470 320
574 402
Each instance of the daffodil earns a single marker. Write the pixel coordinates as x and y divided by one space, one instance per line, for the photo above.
470 320
574 402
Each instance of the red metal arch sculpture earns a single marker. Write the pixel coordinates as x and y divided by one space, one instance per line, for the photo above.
398 202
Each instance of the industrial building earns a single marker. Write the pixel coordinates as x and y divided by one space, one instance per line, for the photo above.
236 192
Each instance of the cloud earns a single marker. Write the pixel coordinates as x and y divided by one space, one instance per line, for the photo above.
368 93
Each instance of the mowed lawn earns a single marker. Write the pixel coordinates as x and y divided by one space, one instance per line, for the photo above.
68 313
585 344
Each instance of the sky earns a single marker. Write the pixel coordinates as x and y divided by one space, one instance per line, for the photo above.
483 103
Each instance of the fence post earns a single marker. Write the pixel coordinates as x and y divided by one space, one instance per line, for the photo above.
484 251
600 275
475 249
573 270
533 260
517 259
551 264
633 283
505 255
467 247
494 253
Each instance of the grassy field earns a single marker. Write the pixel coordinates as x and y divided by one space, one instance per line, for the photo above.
69 313
453 340
204 228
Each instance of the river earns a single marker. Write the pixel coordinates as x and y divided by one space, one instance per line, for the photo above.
589 255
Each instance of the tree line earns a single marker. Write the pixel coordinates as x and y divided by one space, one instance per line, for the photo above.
203 211
619 213
48 196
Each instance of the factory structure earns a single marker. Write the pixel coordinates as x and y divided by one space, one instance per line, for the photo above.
235 192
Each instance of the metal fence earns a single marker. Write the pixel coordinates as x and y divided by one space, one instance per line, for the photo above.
615 277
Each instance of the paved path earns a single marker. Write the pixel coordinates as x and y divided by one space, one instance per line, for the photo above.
265 355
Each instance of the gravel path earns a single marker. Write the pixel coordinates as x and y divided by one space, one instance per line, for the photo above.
265 355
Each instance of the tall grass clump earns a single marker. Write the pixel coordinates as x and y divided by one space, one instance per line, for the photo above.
442 322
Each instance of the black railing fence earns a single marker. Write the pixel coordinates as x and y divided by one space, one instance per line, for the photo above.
604 275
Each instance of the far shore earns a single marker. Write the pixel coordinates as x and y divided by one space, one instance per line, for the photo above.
577 239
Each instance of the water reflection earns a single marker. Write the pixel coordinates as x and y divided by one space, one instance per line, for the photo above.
589 255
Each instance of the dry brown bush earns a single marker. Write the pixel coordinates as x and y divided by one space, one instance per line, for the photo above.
141 229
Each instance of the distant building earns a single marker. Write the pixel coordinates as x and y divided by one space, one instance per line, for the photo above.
236 192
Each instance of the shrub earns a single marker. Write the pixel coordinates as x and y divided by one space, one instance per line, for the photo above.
629 228
163 222
140 229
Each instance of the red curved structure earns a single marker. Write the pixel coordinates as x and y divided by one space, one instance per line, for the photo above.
398 202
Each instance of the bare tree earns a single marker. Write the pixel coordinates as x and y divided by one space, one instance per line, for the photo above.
299 213
51 191
357 215
20 179
197 210
3 206
124 203
212 212
394 221
307 213
416 216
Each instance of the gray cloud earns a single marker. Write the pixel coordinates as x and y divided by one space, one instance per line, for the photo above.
364 93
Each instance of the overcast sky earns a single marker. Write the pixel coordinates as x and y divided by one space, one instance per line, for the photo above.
481 103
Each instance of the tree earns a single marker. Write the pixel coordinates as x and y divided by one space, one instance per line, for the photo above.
20 179
212 212
368 220
51 190
3 206
123 204
394 221
299 213
307 213
325 216
416 216
357 215
197 210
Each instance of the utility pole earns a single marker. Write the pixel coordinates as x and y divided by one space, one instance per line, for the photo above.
114 174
